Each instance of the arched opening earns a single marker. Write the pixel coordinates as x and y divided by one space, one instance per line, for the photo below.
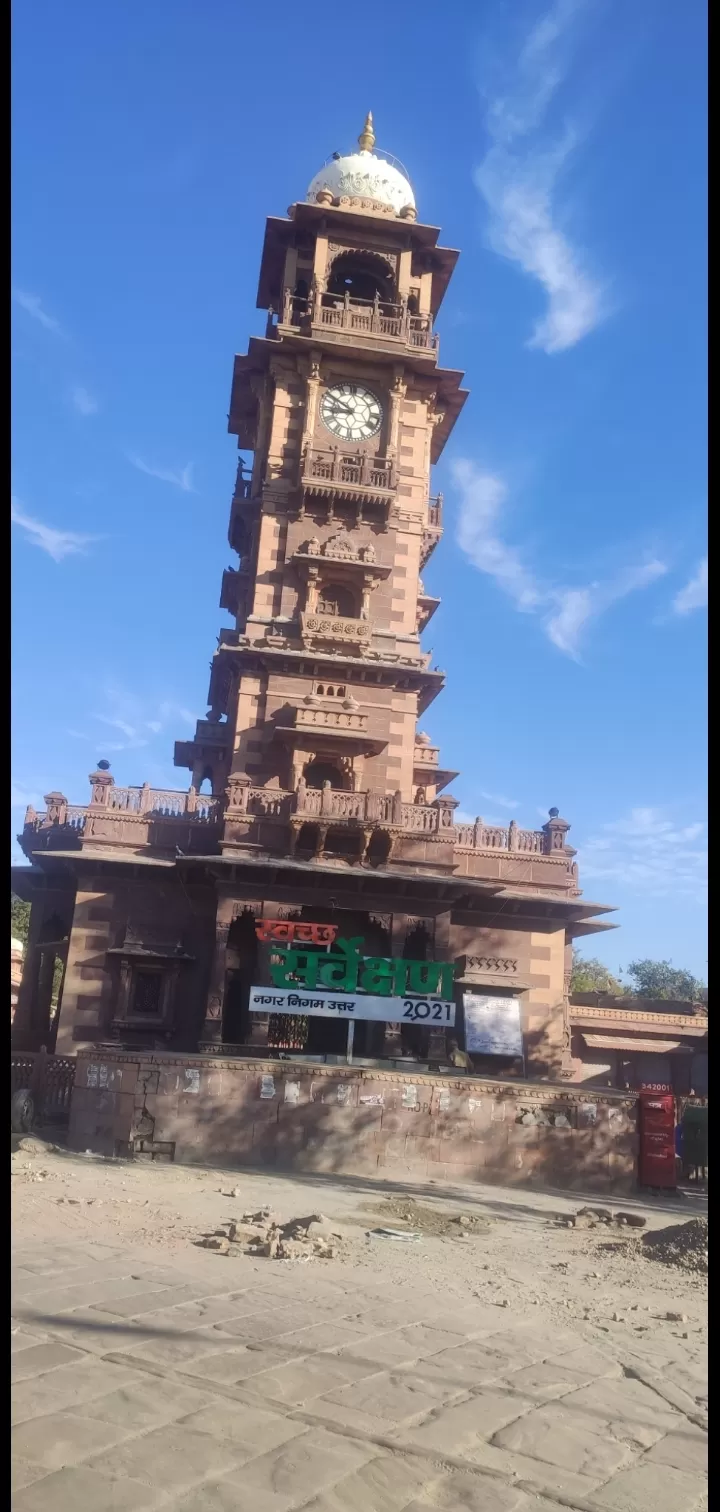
335 598
318 772
207 777
240 976
363 276
51 956
300 299
307 840
378 851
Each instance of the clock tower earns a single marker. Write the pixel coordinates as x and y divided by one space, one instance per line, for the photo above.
329 807
320 687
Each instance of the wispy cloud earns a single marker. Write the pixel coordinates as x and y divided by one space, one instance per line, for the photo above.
695 593
180 477
565 612
576 607
519 179
33 306
646 850
84 402
136 721
506 803
22 798
57 543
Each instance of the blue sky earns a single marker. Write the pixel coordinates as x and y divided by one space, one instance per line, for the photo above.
561 147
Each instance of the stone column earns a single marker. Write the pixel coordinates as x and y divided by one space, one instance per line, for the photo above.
211 1032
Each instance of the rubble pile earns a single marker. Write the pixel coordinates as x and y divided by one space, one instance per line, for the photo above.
592 1217
313 1237
683 1245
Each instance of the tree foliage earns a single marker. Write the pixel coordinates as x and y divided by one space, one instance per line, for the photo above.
660 979
19 918
591 976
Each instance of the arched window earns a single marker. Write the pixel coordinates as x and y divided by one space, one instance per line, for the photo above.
335 598
318 772
362 275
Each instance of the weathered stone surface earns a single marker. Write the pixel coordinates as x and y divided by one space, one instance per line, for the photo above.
83 1490
305 1467
651 1488
685 1449
64 1438
173 1457
43 1357
562 1439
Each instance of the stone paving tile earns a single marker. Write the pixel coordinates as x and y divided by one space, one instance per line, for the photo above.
230 1494
267 1325
23 1473
385 1484
546 1479
95 1332
44 1357
241 1364
254 1430
86 1491
563 1439
626 1408
303 1380
21 1338
456 1429
67 1387
547 1381
180 1349
134 1306
378 1405
466 1366
648 1486
305 1466
63 1438
315 1337
686 1449
465 1492
147 1404
586 1358
172 1456
413 1342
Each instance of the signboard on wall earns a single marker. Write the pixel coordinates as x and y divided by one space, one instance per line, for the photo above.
353 1005
492 1025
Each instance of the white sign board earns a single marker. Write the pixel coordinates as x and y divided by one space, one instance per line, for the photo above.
355 1005
492 1025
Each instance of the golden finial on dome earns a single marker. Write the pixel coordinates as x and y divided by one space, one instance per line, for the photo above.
366 139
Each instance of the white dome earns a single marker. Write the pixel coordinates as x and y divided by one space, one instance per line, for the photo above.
365 175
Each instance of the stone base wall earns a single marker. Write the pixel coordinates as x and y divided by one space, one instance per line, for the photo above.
351 1121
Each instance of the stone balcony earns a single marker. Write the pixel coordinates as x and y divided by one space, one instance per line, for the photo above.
347 477
318 629
133 817
272 821
373 320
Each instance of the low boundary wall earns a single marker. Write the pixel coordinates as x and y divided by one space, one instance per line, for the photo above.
352 1121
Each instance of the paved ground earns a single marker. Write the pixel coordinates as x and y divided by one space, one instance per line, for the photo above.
150 1373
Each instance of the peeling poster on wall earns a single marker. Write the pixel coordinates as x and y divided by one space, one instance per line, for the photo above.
267 1086
192 1079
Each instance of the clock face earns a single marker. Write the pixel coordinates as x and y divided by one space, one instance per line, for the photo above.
351 412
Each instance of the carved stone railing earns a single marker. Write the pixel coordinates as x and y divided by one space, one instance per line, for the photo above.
336 721
347 474
335 627
479 836
361 317
125 802
426 755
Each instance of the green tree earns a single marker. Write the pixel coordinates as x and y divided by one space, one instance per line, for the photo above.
19 918
592 976
660 979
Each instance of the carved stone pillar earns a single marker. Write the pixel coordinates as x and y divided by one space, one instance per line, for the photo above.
397 394
211 1032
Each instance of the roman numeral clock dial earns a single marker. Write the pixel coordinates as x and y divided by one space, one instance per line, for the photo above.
351 412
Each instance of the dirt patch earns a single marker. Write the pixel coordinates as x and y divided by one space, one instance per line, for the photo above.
404 1213
684 1245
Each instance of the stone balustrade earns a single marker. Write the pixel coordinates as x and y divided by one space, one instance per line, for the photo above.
243 801
335 627
338 721
361 317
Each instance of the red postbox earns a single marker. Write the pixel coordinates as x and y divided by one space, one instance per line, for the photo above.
657 1140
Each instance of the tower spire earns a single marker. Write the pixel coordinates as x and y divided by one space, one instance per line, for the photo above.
366 139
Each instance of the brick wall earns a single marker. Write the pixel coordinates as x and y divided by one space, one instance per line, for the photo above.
348 1121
